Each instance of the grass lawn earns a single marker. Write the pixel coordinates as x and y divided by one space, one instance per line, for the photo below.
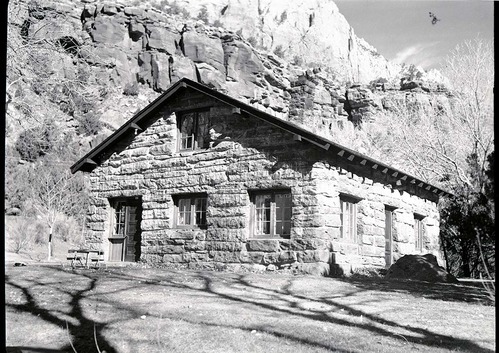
137 309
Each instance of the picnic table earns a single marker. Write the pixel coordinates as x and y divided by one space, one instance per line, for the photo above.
81 257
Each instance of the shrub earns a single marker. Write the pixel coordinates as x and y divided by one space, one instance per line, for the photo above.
19 235
36 142
298 60
252 41
89 124
68 230
279 51
131 89
203 14
283 18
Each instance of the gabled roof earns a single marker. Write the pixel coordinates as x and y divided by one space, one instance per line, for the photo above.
397 178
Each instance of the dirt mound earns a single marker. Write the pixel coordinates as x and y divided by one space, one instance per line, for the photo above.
421 268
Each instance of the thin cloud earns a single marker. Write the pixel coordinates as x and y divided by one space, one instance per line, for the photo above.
420 54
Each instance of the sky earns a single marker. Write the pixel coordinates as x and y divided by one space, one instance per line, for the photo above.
402 30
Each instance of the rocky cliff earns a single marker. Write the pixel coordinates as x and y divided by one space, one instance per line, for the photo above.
298 60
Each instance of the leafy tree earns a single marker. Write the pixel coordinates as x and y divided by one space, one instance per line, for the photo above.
467 224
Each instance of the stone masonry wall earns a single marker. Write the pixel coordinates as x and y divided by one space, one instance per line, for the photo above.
248 155
374 196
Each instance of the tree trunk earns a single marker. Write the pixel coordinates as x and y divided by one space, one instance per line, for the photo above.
50 244
465 265
444 250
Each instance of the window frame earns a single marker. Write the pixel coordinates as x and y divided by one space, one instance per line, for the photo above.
196 129
352 203
273 214
418 232
192 203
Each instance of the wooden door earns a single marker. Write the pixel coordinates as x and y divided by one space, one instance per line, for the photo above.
125 239
388 237
132 238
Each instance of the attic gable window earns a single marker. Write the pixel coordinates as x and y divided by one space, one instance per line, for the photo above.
193 130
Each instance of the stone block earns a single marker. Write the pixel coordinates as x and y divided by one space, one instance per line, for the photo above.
195 245
173 258
224 256
287 256
307 243
270 258
313 256
223 246
265 245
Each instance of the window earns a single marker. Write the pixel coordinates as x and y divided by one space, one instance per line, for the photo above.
190 210
418 232
348 217
271 214
194 130
120 216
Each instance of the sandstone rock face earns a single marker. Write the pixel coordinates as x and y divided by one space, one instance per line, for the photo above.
163 39
202 49
135 46
313 31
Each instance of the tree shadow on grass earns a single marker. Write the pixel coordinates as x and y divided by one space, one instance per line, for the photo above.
371 323
285 301
427 290
251 293
86 334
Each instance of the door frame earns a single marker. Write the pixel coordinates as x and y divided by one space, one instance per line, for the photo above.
118 243
389 211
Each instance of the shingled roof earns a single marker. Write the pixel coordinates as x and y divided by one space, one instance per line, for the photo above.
398 179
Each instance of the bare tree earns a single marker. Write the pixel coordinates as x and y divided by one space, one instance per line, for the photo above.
434 142
44 60
54 192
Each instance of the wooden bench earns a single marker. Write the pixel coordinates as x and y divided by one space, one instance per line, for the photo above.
75 257
85 257
96 257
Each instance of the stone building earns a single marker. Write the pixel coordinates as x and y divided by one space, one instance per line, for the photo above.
202 179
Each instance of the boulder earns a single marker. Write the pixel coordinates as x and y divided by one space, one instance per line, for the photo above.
242 63
181 67
210 76
200 48
160 71
109 30
145 69
421 268
136 30
162 39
